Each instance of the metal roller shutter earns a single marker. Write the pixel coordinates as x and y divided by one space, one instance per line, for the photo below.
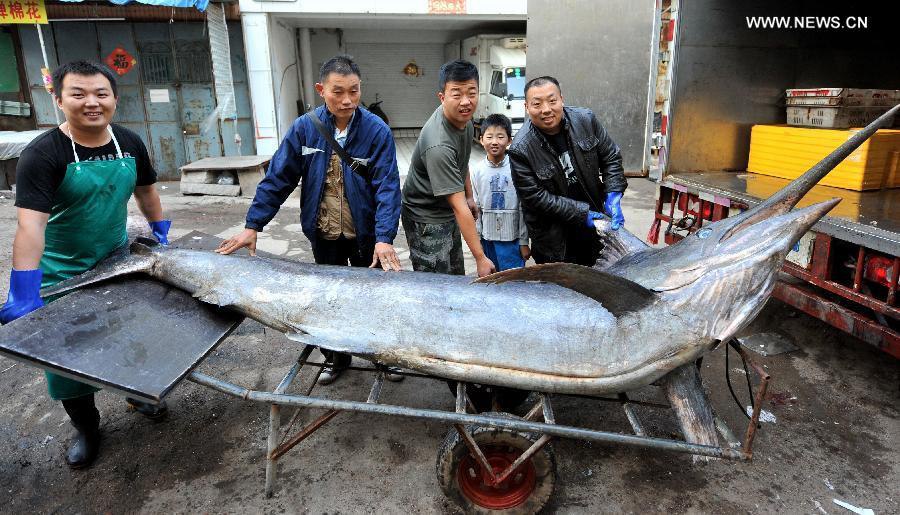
408 101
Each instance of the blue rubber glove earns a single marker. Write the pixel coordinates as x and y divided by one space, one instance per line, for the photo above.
24 295
613 207
161 230
593 215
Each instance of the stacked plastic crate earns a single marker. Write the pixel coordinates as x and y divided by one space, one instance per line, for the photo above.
838 108
788 151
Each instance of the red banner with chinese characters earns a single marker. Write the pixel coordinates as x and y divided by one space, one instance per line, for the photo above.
120 61
23 11
446 6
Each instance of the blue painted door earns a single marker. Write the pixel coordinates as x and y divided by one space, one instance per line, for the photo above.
168 98
160 97
199 122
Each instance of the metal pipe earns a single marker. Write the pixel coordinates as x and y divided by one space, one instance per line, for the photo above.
460 397
475 451
764 377
47 66
537 408
858 272
892 286
632 416
373 369
271 446
303 434
375 392
610 399
306 69
272 443
292 373
535 447
312 384
726 433
465 418
548 409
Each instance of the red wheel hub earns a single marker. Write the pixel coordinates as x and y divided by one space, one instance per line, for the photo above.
475 482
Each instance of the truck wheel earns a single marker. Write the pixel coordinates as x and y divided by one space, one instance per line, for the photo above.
463 481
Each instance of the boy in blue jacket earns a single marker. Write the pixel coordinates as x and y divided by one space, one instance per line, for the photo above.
350 216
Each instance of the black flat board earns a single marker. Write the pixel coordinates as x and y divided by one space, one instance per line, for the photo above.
133 335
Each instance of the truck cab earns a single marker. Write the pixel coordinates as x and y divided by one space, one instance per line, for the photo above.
505 92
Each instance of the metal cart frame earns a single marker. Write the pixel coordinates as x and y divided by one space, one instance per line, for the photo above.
281 441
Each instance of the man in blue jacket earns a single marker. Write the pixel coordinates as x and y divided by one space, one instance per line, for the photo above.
350 216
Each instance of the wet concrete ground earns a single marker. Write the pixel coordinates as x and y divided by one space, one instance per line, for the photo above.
835 403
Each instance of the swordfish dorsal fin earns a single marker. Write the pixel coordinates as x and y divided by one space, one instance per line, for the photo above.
616 294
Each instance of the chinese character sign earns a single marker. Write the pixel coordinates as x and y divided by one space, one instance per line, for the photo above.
120 61
446 6
22 11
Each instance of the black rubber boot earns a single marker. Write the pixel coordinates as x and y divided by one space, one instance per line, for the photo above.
86 420
154 412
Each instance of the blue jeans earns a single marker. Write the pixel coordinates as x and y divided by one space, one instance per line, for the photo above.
504 254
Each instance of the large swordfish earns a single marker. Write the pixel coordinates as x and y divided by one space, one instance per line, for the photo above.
552 328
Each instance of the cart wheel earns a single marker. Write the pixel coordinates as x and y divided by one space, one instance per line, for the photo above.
461 478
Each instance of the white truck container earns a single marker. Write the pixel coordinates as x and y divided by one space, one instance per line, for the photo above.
501 70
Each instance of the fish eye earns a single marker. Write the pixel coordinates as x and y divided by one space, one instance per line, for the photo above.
704 233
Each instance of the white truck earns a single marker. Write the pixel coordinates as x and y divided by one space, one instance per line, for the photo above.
500 59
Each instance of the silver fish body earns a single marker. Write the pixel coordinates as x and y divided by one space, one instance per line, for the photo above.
529 335
553 328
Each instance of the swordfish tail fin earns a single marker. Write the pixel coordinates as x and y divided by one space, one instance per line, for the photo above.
139 257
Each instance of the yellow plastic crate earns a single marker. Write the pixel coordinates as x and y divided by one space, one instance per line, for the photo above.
763 187
893 173
787 152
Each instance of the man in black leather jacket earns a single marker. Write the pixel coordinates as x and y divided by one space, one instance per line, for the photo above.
567 171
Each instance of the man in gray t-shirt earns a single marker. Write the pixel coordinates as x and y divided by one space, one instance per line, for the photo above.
435 208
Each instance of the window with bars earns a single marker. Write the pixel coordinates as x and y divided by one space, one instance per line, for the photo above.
191 62
157 64
194 61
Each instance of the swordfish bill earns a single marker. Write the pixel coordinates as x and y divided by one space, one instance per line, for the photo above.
620 243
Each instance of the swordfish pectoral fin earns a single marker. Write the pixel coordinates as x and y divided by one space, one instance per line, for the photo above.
340 340
215 296
616 294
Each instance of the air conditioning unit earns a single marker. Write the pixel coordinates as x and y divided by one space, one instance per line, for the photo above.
514 43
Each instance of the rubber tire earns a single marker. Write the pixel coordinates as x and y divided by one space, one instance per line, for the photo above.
453 449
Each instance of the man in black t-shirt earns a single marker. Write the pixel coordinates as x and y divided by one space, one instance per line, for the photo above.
73 184
42 165
567 172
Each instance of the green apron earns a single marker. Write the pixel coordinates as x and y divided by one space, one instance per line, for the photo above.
86 223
